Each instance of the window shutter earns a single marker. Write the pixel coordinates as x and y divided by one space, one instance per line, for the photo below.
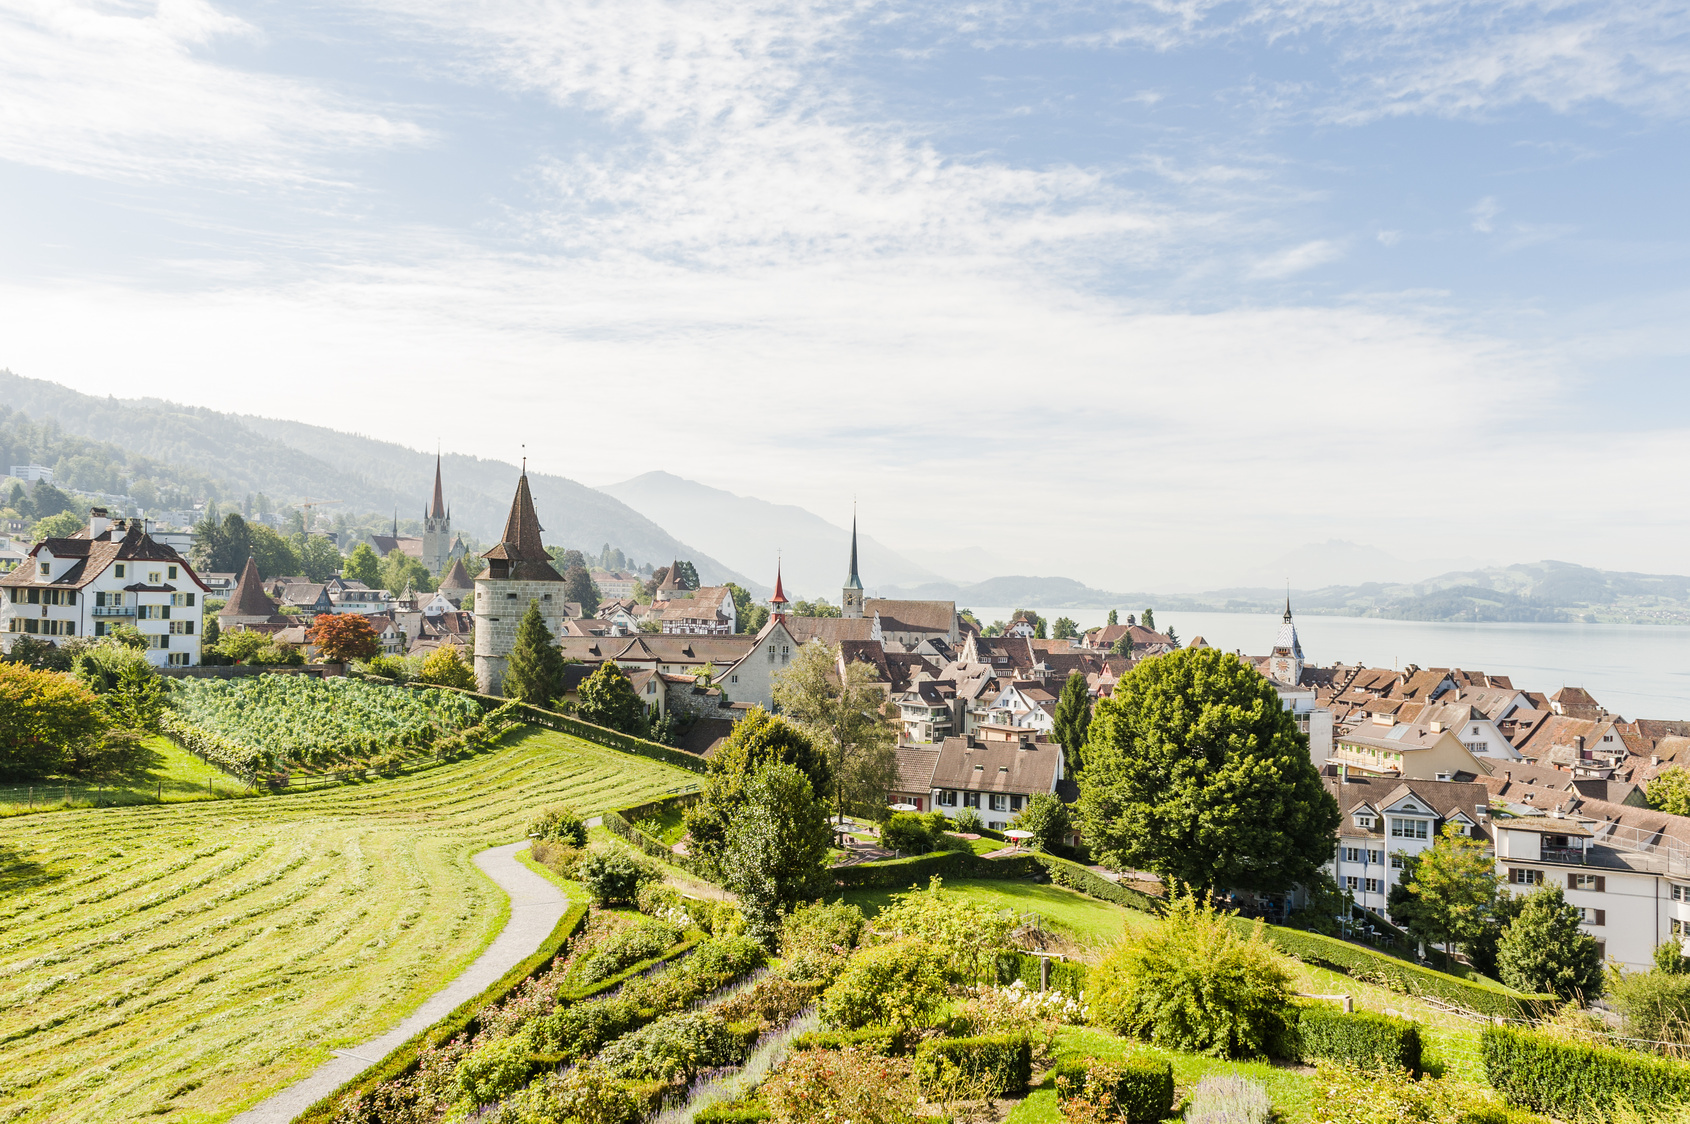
1601 917
1601 883
1572 881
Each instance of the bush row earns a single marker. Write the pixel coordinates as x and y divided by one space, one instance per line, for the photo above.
1001 1063
900 874
1076 877
1574 1081
1140 1089
1067 977
1400 975
464 1020
621 823
885 1040
588 991
1362 1039
230 756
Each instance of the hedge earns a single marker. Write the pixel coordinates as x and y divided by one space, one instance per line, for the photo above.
620 822
732 1112
887 1041
1067 977
675 951
1003 1063
1073 876
901 874
1575 1081
1144 1092
1362 1039
403 1058
1400 975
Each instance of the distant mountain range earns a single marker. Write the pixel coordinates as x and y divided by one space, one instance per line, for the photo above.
291 461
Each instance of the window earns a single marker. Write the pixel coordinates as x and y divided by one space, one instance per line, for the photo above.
1680 929
1352 854
1373 885
154 577
971 800
1015 803
947 798
121 570
1593 916
1680 893
1375 856
1593 882
172 571
1525 877
181 599
1396 861
1408 829
46 569
733 679
1365 822
178 659
158 640
1000 802
1352 883
152 612
181 628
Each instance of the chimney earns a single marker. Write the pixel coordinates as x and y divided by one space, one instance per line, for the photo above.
97 522
1654 759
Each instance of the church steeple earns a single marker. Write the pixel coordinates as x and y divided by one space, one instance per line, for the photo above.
851 597
778 603
1286 662
438 510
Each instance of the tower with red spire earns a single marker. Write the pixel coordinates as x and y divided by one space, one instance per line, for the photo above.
778 603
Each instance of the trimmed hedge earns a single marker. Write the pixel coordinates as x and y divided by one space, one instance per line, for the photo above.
403 1058
1003 1062
1065 976
675 951
1575 1081
1400 975
887 1041
1143 1093
732 1112
620 822
1363 1039
1073 876
901 874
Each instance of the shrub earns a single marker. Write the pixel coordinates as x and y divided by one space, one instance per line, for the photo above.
1194 984
1046 816
560 860
967 819
494 1070
580 1029
584 1095
1574 1080
732 1112
1656 1005
998 1065
816 940
1229 1099
676 1046
641 941
888 1041
901 984
1343 1095
614 876
1133 1089
908 832
1364 1040
560 824
840 1086
970 932
772 1001
1543 949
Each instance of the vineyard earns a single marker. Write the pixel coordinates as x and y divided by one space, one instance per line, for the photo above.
274 721
180 962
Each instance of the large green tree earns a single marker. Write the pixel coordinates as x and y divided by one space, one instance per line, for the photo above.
1195 770
274 555
534 669
608 699
1545 950
319 559
776 848
221 547
47 722
399 570
757 740
840 707
363 565
1455 887
578 587
1670 791
1073 719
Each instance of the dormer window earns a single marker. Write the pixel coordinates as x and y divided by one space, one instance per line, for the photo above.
46 569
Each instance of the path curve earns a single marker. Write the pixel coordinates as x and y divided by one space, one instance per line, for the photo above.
536 906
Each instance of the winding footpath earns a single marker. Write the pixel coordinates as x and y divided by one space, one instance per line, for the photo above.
536 906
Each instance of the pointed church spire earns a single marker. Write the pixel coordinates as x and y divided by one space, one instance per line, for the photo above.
395 522
852 581
438 508
778 602
851 597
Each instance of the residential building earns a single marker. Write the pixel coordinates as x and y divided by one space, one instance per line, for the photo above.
994 773
702 612
219 586
1384 819
519 573
916 766
615 585
30 473
12 553
1024 705
111 573
1385 747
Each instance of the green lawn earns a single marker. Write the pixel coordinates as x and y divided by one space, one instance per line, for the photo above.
172 774
180 962
1092 921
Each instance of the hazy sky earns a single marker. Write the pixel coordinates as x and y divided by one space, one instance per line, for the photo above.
1140 293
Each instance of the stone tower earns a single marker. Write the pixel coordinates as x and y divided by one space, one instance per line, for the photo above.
851 597
437 529
518 571
1286 662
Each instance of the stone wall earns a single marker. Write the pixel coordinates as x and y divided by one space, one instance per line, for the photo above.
499 609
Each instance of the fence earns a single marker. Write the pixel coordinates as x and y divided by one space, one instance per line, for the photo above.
16 799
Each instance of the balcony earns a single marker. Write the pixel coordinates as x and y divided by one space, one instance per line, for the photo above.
1574 855
114 610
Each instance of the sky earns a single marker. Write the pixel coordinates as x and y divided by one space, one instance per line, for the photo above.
1147 294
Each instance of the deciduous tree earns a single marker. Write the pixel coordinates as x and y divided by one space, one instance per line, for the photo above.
1455 888
776 848
1545 950
578 587
842 711
1064 629
1114 617
1670 791
445 667
1046 816
608 699
273 554
319 559
1148 620
60 526
757 739
343 637
534 669
363 565
46 719
1196 771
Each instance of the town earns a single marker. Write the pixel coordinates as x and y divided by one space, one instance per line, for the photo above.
1497 852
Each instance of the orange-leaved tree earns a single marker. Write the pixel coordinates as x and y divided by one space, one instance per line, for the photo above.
344 636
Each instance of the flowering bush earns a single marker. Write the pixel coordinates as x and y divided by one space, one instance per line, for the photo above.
901 984
641 941
585 1094
841 1087
816 940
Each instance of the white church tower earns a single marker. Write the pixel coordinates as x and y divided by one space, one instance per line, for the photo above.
1285 665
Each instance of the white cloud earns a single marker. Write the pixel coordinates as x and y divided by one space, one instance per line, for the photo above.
1296 259
1484 214
127 91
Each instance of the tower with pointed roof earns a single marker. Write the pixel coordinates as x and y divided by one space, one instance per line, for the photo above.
519 571
851 597
437 528
1285 664
778 603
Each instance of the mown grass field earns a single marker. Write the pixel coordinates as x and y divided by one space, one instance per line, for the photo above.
180 962
173 774
1093 922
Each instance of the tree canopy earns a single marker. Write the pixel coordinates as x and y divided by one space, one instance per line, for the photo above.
1073 720
842 711
776 848
343 637
757 740
534 669
608 699
578 587
1454 885
444 667
46 720
1545 950
1195 770
1670 791
363 565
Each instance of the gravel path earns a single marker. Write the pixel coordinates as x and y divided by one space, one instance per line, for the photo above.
536 905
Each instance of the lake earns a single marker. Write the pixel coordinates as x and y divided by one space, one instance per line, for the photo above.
1639 671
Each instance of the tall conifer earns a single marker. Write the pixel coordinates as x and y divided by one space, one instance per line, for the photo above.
534 673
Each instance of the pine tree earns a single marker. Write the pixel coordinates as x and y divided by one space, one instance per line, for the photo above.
534 673
1073 719
1114 617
